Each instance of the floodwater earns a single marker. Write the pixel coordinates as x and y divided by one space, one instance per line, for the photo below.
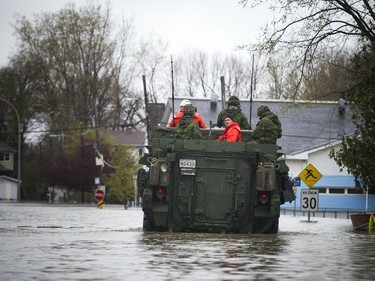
58 242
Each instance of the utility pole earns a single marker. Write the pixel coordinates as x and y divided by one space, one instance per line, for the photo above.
222 82
146 108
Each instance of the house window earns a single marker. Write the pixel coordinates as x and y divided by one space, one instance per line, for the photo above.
4 156
355 191
337 190
322 190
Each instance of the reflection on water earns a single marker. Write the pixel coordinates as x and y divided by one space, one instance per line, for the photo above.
362 256
192 255
44 242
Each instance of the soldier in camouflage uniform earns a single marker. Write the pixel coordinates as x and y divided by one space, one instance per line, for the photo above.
234 109
268 129
187 128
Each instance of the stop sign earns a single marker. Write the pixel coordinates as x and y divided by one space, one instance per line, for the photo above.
99 194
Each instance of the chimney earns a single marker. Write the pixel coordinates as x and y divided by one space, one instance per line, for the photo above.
213 101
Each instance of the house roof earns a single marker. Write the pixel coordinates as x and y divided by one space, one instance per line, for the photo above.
306 124
129 137
6 148
6 178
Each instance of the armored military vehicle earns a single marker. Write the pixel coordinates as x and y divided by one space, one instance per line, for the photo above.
208 186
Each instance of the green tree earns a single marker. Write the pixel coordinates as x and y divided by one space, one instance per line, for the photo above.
70 68
120 181
16 86
68 159
81 64
357 152
8 91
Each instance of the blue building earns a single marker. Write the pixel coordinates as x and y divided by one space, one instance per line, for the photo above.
337 193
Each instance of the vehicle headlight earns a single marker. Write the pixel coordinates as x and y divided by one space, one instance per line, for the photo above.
164 167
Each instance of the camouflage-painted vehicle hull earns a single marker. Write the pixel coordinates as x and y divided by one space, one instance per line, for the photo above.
209 186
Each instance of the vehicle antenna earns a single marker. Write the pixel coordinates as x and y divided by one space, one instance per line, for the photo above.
146 107
251 90
172 87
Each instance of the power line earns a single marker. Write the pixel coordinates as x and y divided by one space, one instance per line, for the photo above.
70 129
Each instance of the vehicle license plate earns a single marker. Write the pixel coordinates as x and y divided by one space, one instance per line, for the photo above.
188 171
187 163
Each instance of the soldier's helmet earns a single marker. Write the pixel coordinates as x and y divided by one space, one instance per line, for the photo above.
189 110
262 109
184 102
234 101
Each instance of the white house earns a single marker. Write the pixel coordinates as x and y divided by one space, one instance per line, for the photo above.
8 188
8 180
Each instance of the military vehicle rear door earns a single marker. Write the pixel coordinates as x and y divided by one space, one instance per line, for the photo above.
214 191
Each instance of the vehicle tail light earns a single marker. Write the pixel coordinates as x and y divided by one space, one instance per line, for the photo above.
263 198
159 192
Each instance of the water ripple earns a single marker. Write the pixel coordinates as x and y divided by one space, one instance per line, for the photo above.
42 242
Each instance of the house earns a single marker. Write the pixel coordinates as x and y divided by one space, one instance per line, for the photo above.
6 158
128 137
310 130
8 180
8 188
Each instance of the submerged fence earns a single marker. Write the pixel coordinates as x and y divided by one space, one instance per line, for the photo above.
337 214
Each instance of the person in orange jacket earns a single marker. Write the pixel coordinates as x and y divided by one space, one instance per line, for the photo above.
177 117
232 131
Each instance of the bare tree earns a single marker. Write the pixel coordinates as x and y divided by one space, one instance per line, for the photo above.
308 27
238 73
201 68
199 74
189 77
216 69
153 62
329 79
282 77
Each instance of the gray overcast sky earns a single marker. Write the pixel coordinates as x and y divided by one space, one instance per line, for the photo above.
208 25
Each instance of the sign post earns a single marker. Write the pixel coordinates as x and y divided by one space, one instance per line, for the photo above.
309 201
99 196
309 197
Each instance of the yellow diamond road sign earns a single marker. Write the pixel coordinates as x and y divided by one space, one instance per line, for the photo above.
310 175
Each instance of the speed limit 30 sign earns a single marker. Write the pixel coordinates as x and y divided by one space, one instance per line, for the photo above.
309 200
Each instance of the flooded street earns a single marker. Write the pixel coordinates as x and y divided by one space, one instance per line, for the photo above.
57 242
